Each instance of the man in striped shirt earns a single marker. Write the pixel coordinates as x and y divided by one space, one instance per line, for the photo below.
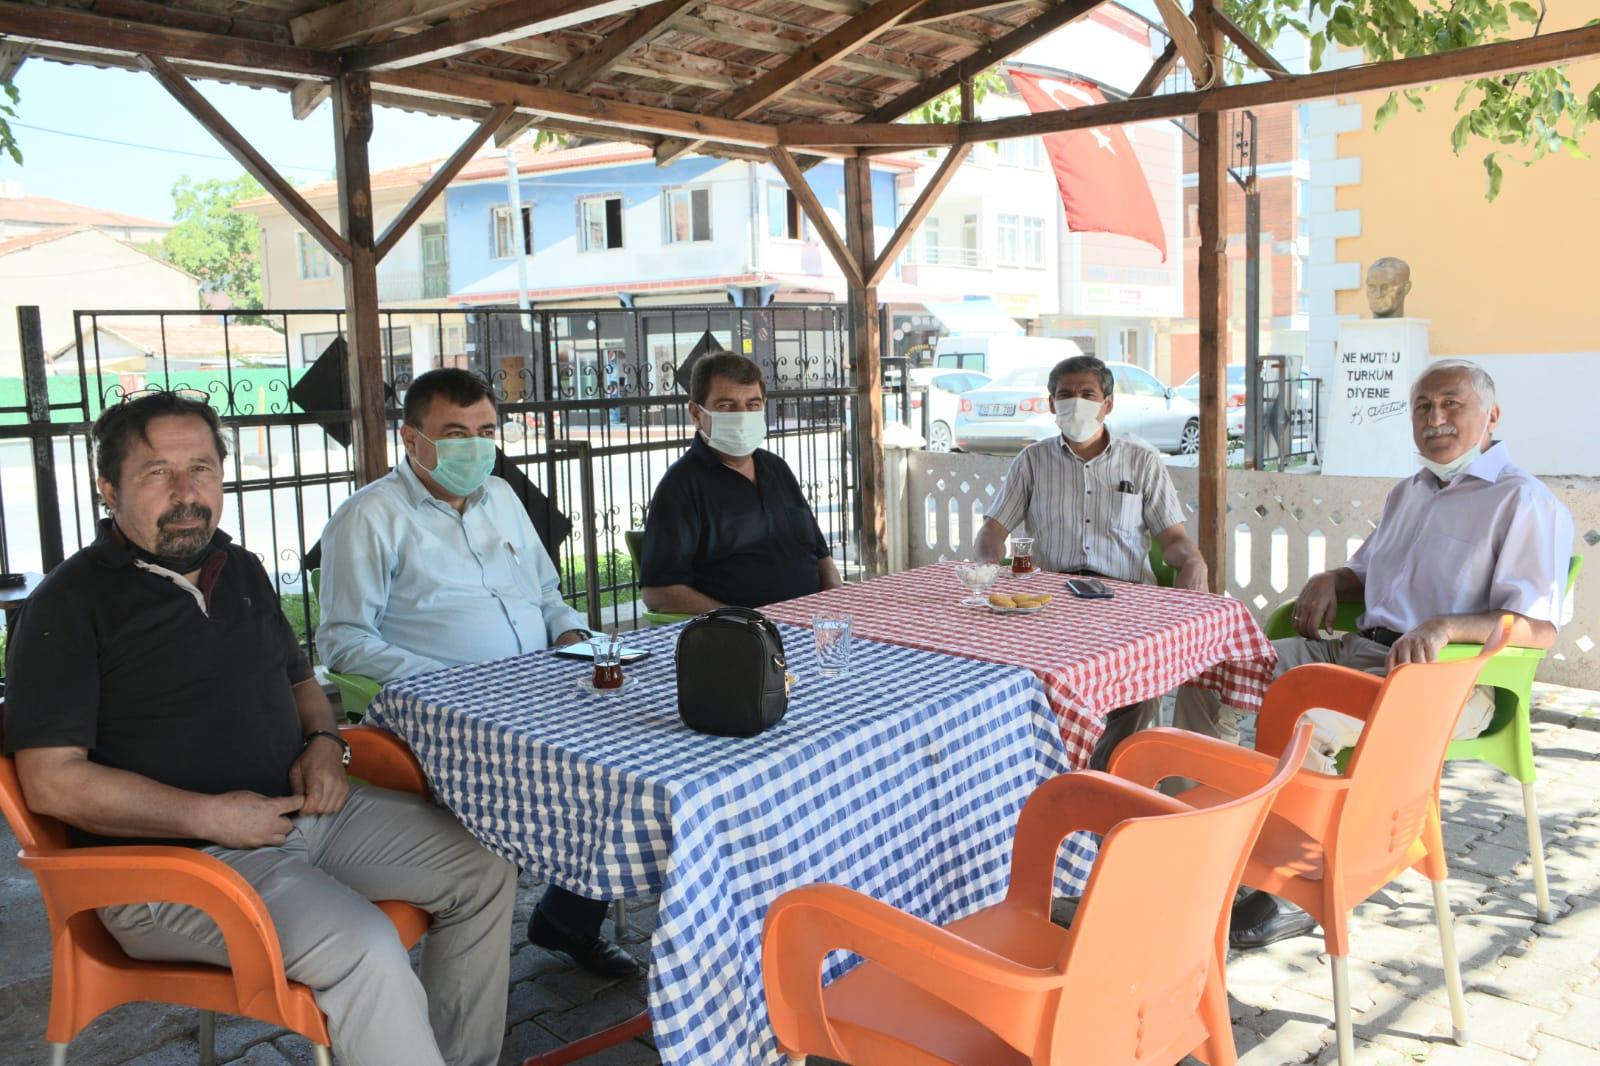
1092 502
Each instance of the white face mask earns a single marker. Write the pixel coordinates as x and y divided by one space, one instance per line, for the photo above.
737 433
1079 419
1446 472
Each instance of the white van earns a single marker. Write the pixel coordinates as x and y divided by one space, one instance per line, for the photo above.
999 356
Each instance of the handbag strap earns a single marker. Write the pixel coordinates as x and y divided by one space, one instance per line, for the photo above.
756 619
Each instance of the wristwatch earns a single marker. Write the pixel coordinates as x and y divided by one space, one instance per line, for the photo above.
335 737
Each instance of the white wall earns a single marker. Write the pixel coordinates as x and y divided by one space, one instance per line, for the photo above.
1547 413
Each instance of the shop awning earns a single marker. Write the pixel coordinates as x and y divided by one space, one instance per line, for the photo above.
978 317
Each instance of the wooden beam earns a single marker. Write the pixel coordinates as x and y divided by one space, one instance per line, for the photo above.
337 25
590 109
1253 51
503 22
352 123
738 32
1196 55
441 177
831 46
938 10
242 150
919 211
841 252
898 134
1213 321
60 25
307 96
1158 71
12 56
865 339
614 45
513 128
1045 23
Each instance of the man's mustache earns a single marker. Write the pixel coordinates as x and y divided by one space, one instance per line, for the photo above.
1445 430
185 512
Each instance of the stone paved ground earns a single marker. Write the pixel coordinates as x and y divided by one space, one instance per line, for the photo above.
1533 991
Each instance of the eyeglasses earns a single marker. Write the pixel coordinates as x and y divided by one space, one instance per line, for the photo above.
183 391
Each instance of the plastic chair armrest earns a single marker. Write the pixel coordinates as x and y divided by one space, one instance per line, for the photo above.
1336 688
1152 755
380 758
85 879
805 924
1086 801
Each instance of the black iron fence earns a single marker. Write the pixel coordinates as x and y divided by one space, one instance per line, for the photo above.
591 406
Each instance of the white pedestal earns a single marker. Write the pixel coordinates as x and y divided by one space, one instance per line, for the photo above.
1369 420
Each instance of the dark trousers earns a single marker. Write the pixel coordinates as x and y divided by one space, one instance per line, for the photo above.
571 913
1121 724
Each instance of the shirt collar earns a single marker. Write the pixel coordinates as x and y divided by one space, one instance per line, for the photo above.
111 549
1492 463
704 453
1111 442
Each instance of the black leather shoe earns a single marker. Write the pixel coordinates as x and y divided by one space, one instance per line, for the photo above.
1260 919
594 953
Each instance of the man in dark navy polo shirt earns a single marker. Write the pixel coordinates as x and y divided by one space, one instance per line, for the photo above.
156 694
728 524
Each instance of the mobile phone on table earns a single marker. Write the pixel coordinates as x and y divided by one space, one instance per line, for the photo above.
1088 588
13 581
582 650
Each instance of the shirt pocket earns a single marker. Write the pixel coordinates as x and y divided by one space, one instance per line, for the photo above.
1448 575
1128 512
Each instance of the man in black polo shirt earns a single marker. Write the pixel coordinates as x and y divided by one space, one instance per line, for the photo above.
155 694
728 523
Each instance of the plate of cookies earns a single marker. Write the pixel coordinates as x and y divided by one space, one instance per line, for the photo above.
1018 602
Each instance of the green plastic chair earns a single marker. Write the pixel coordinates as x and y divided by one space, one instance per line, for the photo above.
1166 576
634 539
1508 740
355 691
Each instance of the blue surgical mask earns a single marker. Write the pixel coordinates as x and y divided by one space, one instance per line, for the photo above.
463 463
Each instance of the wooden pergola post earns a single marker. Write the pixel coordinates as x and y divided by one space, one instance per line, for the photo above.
1213 313
864 341
352 119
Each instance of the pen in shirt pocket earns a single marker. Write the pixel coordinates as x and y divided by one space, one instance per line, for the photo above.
512 548
1126 486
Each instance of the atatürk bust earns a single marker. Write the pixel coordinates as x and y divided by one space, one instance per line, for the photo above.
1388 281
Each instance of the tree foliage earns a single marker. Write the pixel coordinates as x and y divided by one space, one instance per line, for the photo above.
8 102
946 107
1521 117
218 245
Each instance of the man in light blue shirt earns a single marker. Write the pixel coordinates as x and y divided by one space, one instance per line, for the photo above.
437 564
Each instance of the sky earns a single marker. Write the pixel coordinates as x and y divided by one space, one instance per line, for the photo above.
159 142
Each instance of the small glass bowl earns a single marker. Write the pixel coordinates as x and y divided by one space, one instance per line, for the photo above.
976 579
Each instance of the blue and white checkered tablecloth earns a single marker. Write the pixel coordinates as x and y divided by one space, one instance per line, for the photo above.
902 778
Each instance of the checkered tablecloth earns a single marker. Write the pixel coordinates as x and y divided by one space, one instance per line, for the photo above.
903 779
1092 655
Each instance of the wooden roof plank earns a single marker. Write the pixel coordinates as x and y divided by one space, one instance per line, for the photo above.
60 25
1263 59
496 25
639 27
831 46
337 25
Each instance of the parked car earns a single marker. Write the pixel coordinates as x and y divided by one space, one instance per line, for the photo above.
1014 411
999 356
944 391
1234 413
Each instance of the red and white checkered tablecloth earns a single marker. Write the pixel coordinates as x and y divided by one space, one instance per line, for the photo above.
1093 656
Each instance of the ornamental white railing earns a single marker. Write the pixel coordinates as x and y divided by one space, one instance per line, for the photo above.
1282 529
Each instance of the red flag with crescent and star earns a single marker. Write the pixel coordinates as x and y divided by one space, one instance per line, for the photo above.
1103 187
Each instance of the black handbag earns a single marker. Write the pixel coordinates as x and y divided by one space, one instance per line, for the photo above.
732 673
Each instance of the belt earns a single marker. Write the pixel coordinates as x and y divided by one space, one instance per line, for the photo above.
1382 635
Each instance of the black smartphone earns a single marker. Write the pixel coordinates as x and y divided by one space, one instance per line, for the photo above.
13 581
1088 588
581 650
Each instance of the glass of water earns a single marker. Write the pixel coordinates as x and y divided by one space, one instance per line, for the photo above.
832 633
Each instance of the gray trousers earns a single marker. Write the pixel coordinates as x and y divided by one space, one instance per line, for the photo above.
1202 711
317 886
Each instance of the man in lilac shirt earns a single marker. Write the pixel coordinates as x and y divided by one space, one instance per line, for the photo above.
1467 539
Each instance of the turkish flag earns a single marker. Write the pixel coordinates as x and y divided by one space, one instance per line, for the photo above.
1103 187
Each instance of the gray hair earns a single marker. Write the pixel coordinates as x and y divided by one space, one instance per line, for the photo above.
1481 381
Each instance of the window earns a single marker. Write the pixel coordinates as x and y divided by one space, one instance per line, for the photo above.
1138 383
688 215
395 342
505 231
312 257
599 223
971 238
1007 239
783 214
930 239
1032 152
1033 242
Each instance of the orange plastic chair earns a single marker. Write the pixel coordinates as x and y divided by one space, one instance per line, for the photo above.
90 973
1137 979
1331 842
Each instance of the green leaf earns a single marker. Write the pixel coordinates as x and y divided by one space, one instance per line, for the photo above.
1458 136
1386 111
1574 149
1496 177
1319 44
1414 98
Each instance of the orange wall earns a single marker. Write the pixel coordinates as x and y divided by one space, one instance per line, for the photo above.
1517 275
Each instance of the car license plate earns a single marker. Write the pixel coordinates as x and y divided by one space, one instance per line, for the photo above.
997 410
